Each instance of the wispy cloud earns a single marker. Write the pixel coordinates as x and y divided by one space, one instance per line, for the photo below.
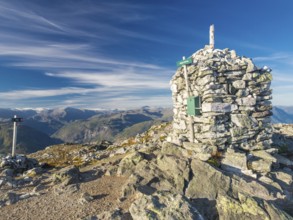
127 78
66 56
282 57
109 78
40 93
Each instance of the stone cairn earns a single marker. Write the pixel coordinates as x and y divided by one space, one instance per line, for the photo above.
235 107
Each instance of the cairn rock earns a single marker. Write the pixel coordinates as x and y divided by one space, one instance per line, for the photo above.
19 163
228 102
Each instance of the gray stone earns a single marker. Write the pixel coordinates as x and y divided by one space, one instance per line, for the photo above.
247 207
264 155
25 196
238 132
200 148
9 172
266 77
178 167
205 80
216 107
214 128
234 161
283 160
2 182
38 188
128 163
207 182
283 177
163 205
247 77
172 149
266 144
243 120
261 114
111 215
33 172
260 165
85 198
242 93
248 101
67 175
11 198
239 84
250 65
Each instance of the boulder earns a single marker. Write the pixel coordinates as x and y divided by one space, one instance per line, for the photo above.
247 207
172 149
113 215
264 155
128 163
283 177
163 205
207 182
234 161
200 151
260 165
9 198
85 198
67 175
175 169
283 160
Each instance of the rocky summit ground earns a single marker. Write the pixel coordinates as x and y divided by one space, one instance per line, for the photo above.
146 177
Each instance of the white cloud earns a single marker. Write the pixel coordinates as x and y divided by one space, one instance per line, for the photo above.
65 55
123 79
32 37
40 93
283 58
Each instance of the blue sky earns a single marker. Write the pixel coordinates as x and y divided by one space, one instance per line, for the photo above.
122 53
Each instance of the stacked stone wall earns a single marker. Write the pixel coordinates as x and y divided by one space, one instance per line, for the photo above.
235 101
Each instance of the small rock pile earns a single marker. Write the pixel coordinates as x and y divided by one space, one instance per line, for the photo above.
17 164
235 106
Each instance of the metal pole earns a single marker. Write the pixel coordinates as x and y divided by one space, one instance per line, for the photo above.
14 137
212 36
188 94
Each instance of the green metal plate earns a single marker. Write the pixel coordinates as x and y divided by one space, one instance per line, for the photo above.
193 105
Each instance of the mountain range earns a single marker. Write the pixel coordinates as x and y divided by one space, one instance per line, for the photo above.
41 128
44 127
